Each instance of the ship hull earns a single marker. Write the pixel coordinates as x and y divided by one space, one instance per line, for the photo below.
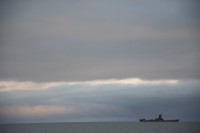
142 120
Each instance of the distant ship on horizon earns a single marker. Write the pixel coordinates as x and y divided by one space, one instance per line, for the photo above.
159 119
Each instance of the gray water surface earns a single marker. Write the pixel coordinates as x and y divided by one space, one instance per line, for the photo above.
102 127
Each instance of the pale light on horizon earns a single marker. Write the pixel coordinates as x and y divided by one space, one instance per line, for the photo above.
35 86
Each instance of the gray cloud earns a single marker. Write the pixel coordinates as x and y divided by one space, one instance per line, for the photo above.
104 102
96 40
152 60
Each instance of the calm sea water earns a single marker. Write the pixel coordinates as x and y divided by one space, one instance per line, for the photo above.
102 127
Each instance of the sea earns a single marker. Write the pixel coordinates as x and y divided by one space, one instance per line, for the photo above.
103 127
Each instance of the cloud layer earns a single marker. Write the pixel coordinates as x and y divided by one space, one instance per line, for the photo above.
99 101
74 60
70 41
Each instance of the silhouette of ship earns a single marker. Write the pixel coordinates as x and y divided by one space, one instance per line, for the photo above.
159 119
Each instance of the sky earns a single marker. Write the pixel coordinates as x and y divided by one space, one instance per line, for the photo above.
91 60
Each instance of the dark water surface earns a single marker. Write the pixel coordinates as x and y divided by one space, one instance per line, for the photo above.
102 127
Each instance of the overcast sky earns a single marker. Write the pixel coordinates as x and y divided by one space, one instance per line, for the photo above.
91 60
